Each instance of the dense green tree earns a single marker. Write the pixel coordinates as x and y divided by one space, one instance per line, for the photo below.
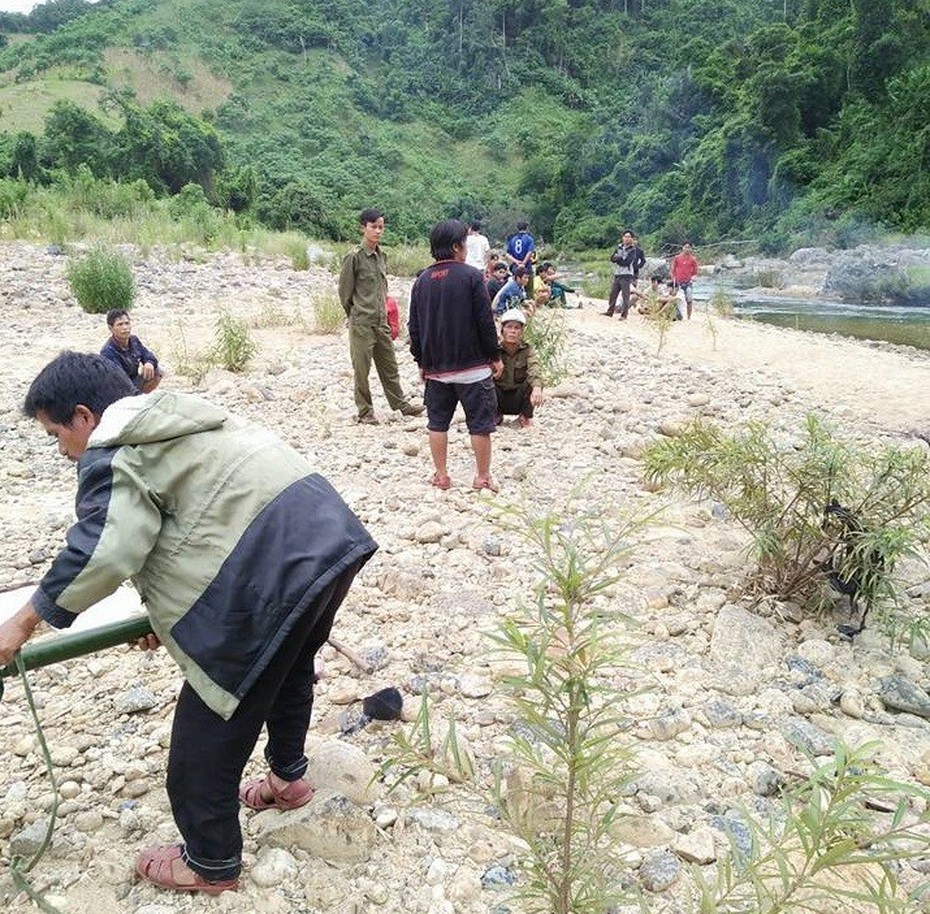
167 147
74 137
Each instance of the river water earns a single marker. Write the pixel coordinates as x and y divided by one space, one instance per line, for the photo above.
904 326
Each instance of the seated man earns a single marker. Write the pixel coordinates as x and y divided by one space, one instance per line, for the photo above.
499 276
129 353
557 288
519 387
655 303
513 293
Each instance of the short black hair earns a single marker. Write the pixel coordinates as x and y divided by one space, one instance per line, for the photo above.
475 226
520 271
522 226
114 314
74 378
370 214
445 236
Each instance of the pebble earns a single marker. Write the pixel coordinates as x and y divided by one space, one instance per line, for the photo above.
273 866
660 870
137 699
897 693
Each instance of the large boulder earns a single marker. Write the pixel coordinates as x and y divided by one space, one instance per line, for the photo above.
875 275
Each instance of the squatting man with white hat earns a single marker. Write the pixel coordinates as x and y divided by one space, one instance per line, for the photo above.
519 387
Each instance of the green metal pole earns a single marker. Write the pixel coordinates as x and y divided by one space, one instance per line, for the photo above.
76 644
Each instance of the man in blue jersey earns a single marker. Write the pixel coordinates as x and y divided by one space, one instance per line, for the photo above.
520 252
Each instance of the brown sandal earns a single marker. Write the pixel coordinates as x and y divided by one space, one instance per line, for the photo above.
294 795
441 481
165 867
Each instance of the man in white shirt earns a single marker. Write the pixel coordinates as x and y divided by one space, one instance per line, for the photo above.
477 248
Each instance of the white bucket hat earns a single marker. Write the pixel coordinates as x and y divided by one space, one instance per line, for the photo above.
514 314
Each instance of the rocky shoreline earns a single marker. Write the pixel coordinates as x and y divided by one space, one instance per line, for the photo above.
720 696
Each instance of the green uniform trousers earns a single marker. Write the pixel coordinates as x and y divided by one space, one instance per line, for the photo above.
369 343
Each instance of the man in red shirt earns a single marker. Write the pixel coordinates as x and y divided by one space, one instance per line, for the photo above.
684 269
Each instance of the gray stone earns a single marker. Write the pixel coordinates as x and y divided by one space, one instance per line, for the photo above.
741 647
137 699
897 693
429 819
670 724
737 831
496 877
27 842
330 826
721 716
806 736
660 871
764 779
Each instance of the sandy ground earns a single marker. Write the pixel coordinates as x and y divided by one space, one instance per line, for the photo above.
886 387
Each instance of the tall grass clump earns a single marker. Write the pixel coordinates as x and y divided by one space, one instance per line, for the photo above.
719 307
233 346
820 509
546 331
102 280
407 259
328 314
567 760
720 304
835 844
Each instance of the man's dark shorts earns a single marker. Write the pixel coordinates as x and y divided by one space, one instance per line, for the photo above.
479 400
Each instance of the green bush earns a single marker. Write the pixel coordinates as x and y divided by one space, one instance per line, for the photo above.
102 280
825 847
328 314
568 761
818 509
233 346
546 332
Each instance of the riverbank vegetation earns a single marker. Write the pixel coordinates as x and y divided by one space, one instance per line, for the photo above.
792 123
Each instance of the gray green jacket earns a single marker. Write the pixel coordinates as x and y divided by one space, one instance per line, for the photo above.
226 532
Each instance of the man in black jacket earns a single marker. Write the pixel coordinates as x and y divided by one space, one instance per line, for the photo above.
624 260
454 341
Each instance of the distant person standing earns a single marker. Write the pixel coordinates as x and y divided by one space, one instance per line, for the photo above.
130 353
623 259
453 340
684 269
520 252
363 294
478 250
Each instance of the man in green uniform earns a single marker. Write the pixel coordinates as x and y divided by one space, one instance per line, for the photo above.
362 291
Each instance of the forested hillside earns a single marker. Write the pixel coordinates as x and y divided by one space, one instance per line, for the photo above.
787 122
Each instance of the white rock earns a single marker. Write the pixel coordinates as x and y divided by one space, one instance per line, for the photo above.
273 866
343 768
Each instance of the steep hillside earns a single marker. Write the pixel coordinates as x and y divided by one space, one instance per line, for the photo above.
788 122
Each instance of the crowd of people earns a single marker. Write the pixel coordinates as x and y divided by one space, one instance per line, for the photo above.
198 508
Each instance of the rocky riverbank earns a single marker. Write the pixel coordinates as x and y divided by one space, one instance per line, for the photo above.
720 697
869 273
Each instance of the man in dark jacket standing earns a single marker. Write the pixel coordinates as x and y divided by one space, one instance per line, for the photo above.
624 260
241 554
453 340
